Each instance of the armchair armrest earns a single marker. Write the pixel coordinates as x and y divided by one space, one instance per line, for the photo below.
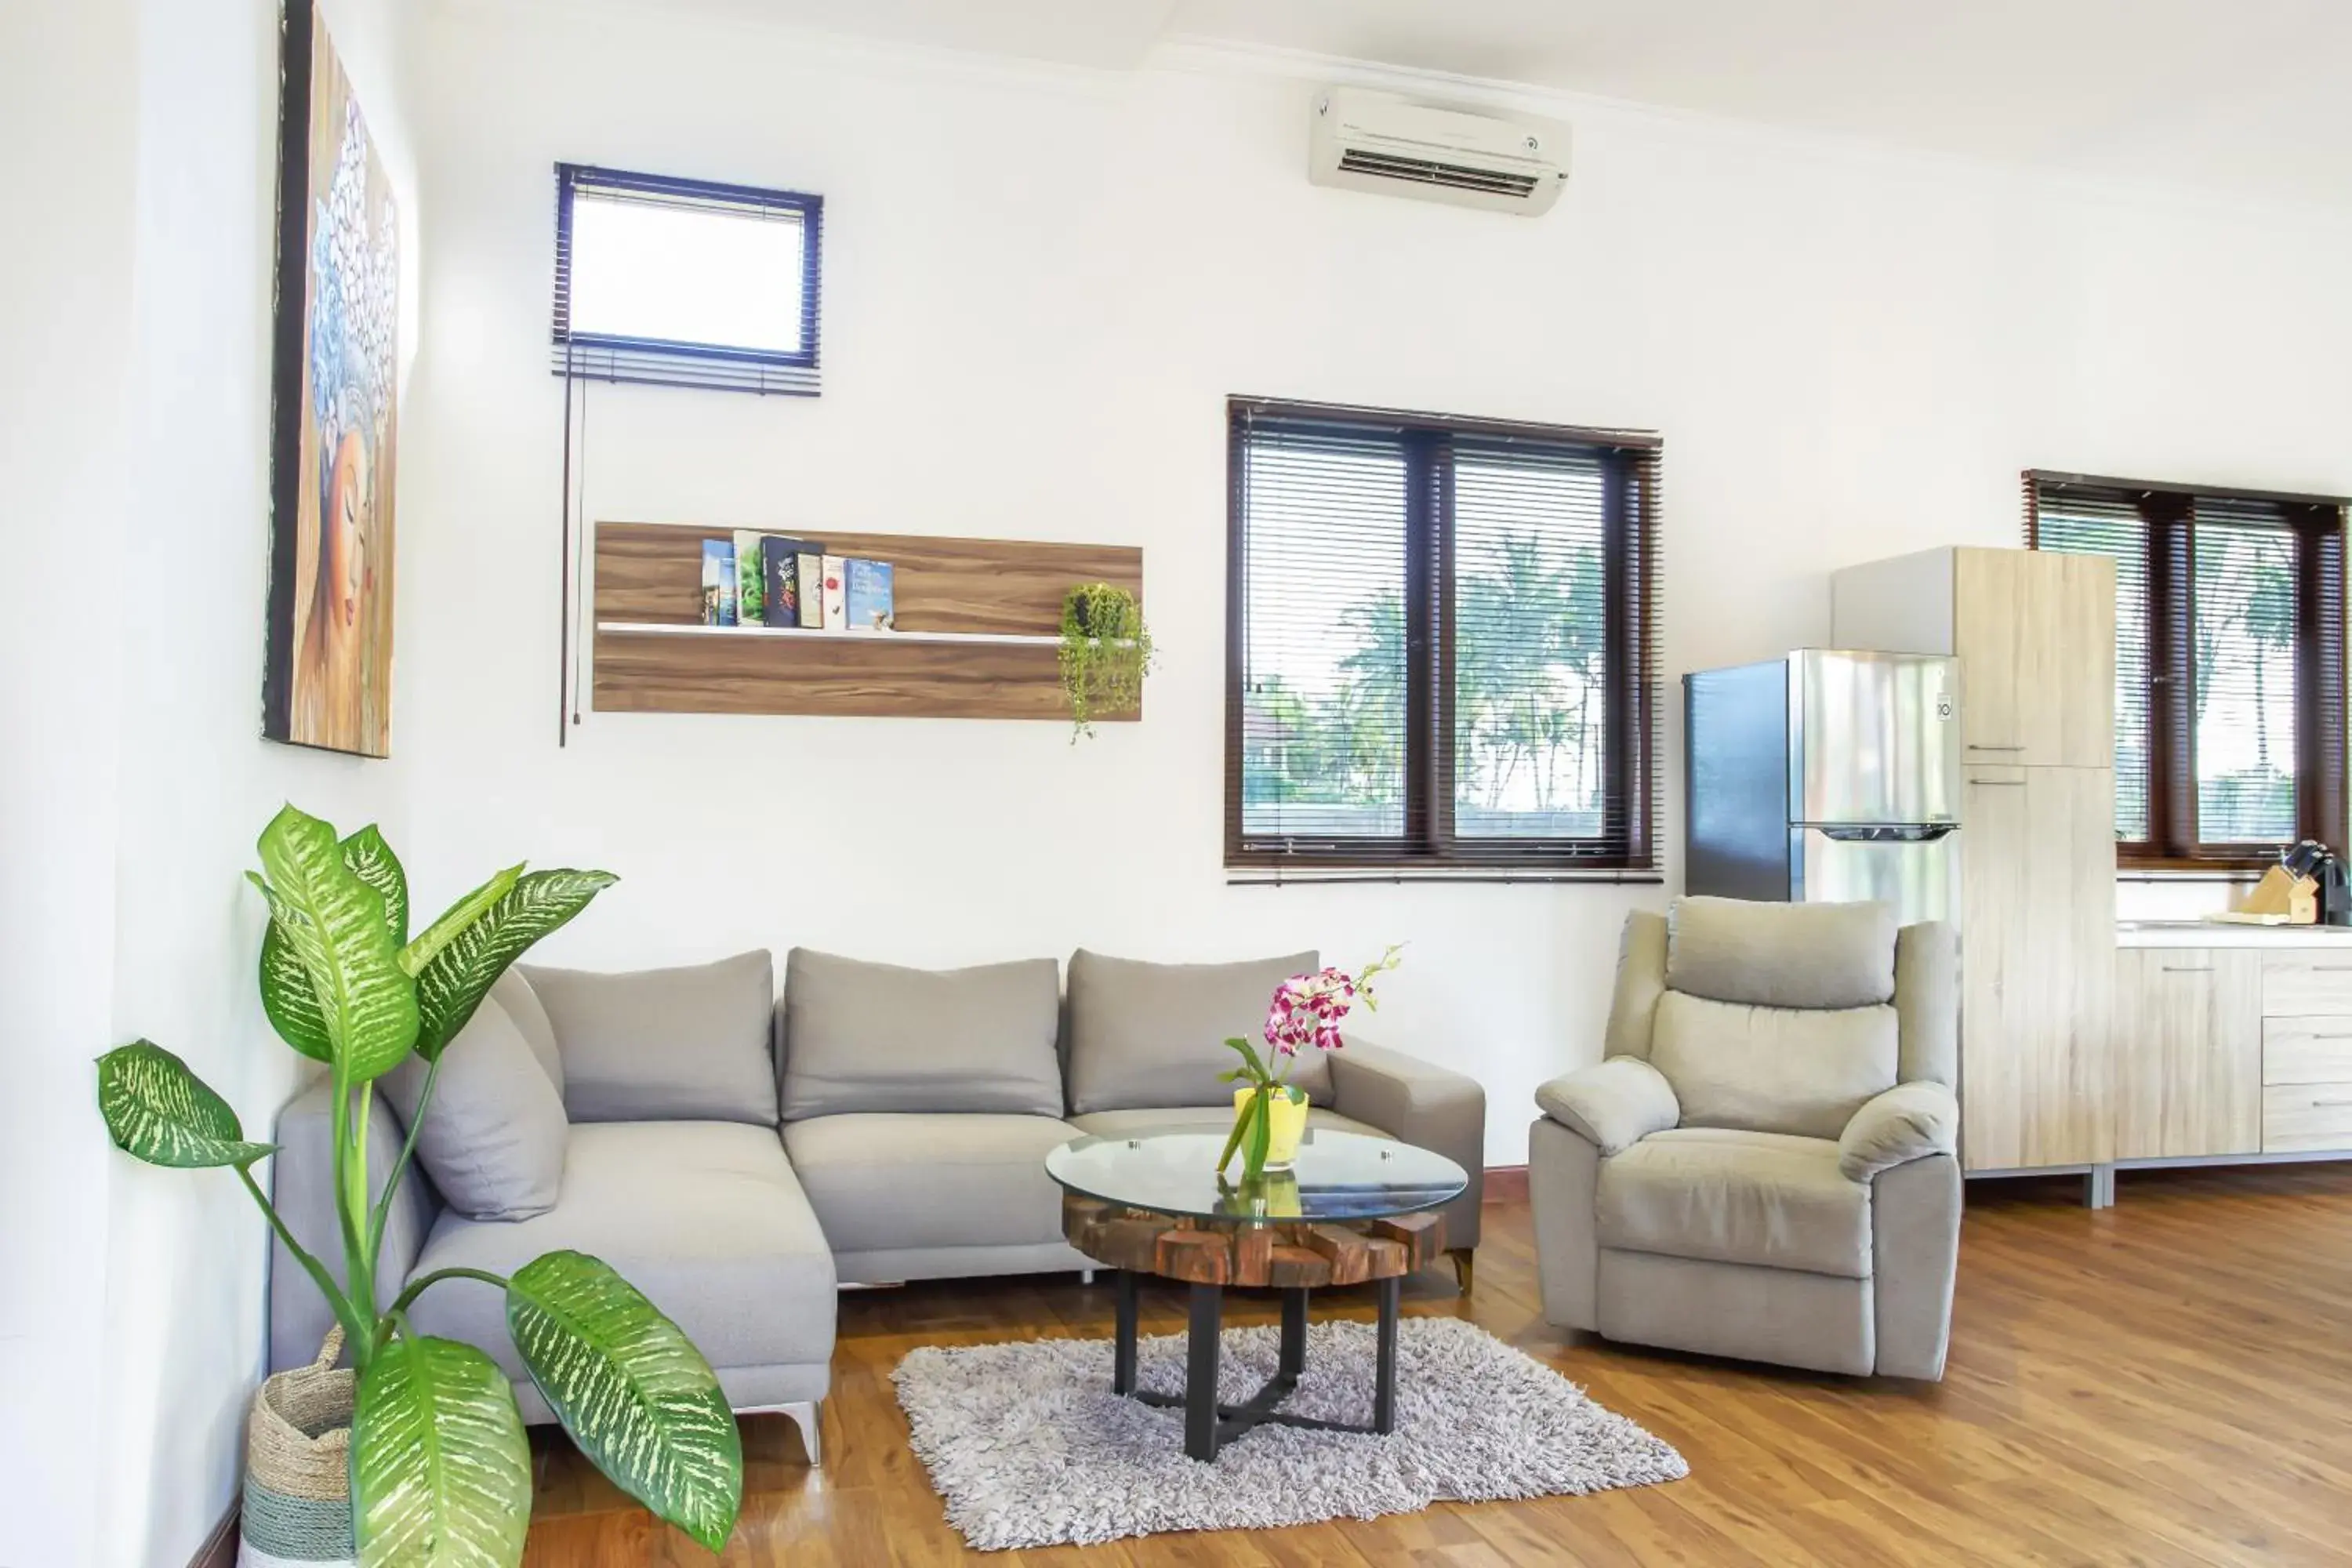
1613 1105
1910 1121
1421 1103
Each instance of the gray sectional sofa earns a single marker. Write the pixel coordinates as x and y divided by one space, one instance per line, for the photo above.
738 1157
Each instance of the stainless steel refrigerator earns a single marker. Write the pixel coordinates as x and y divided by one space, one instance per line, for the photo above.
1825 777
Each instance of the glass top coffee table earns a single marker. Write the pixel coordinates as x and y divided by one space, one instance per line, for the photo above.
1352 1208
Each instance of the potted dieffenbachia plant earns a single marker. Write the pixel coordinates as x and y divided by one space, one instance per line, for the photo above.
440 1470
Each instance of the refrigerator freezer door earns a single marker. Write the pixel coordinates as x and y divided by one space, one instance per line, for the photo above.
1916 869
1874 736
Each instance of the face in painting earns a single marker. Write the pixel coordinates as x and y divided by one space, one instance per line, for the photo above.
345 544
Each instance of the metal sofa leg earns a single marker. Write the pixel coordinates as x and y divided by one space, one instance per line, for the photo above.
807 1414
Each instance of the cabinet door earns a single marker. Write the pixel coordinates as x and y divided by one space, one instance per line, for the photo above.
2038 865
2035 632
2188 1052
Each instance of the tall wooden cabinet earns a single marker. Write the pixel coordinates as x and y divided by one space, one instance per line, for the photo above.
2035 635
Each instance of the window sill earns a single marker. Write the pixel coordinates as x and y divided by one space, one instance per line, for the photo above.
1269 877
2174 874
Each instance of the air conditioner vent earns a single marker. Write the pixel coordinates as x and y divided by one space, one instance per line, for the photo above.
1398 146
1424 171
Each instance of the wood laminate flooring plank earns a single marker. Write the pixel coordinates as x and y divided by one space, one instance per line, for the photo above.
2168 1382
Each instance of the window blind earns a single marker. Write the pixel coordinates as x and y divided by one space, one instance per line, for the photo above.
686 282
2093 522
2242 588
1324 667
1442 642
2230 721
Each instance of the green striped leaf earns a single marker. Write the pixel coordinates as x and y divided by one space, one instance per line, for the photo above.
455 919
286 997
440 1468
367 856
159 1111
335 924
449 988
286 994
634 1394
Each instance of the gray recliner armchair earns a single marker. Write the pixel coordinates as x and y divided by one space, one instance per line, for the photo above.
1763 1167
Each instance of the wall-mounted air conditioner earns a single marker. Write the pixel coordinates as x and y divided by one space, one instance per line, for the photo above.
1365 141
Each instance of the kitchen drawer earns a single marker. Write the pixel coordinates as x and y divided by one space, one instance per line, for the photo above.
2306 1116
2307 1050
2304 983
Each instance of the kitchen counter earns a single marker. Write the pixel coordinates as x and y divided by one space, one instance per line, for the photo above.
2212 934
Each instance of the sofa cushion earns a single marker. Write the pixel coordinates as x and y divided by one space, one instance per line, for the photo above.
884 1181
1773 1070
1199 1119
1735 1197
529 1015
862 1037
1145 1035
494 1135
705 1218
1781 955
665 1045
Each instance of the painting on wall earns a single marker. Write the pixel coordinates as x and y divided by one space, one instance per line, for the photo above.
328 675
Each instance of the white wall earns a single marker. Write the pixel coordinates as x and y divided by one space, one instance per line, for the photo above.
67 157
137 506
1040 286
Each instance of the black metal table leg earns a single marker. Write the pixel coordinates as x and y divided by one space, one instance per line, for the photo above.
1384 1374
1122 1364
1294 1334
1200 1349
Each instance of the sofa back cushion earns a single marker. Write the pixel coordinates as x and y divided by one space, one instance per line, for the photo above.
1781 955
862 1037
1804 1071
1145 1036
665 1045
529 1015
495 1134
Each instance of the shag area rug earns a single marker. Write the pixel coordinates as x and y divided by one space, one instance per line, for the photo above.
1028 1445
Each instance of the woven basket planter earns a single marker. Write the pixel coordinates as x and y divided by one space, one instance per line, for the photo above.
298 1467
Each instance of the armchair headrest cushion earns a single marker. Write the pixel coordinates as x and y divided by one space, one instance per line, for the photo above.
1781 955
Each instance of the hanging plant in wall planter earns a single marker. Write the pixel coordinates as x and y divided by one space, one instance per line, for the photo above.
1106 653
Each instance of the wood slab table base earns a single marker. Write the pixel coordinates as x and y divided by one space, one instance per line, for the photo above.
1292 1257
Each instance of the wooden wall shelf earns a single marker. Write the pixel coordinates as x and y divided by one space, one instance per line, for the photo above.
979 622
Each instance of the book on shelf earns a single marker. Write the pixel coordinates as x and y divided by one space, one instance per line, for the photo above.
866 593
836 605
719 582
811 564
751 589
780 567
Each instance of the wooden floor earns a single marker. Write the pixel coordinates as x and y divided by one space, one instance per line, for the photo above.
2166 1382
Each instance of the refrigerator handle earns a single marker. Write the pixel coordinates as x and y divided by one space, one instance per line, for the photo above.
1907 833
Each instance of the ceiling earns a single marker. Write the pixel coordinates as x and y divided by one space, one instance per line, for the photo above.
2244 95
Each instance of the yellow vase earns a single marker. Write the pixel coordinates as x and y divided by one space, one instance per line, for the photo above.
1287 1125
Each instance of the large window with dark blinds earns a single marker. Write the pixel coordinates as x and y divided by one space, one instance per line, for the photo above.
2229 682
1441 644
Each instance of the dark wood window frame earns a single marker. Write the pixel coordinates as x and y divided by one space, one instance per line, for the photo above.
2168 519
1626 848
